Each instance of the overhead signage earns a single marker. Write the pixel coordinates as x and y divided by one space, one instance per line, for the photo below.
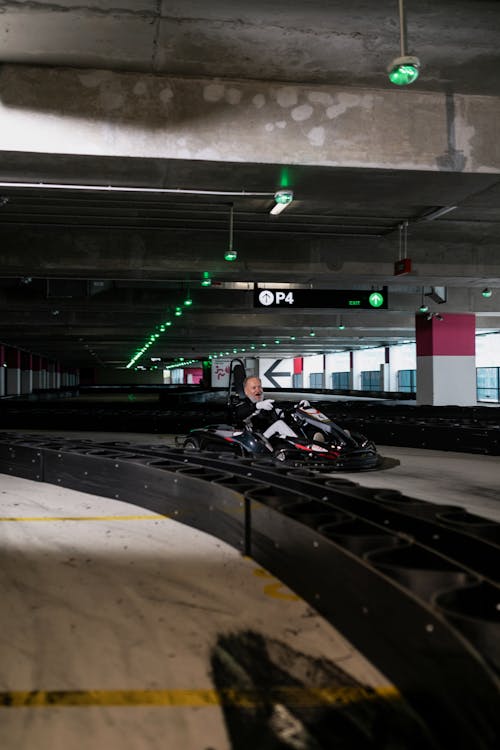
348 299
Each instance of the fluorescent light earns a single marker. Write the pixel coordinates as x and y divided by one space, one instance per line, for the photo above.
278 208
437 213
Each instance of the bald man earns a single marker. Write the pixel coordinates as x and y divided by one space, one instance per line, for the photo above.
253 400
267 418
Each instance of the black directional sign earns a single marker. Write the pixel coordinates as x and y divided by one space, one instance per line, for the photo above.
271 373
349 299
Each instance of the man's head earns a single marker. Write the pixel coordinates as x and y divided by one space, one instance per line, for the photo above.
253 388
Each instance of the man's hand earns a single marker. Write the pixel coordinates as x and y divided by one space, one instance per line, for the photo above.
267 404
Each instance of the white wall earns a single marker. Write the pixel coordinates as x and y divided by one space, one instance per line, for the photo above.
314 363
366 359
401 357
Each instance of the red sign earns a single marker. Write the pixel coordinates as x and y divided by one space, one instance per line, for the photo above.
402 266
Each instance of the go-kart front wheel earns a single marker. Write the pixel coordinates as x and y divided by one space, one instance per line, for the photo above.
280 454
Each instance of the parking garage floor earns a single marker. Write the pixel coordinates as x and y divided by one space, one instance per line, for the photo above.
117 623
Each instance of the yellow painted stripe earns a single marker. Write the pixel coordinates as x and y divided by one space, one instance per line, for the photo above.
150 517
290 695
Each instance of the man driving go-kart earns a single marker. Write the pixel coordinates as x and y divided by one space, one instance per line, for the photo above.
259 428
265 416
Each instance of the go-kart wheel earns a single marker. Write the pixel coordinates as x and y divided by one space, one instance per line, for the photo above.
191 444
280 454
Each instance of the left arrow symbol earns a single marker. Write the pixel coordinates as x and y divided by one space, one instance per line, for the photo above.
271 374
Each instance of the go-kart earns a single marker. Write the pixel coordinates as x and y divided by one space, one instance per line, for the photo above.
298 432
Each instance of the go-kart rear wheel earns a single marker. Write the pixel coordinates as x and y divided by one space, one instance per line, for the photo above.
191 444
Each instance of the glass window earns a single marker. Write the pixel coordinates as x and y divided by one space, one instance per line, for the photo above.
370 380
316 380
340 381
488 384
407 381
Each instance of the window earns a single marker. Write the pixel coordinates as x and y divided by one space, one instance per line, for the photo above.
407 381
370 380
298 380
488 384
340 381
316 380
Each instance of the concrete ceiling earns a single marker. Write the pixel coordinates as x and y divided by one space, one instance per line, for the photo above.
145 251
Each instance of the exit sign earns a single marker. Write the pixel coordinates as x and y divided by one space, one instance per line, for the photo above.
351 299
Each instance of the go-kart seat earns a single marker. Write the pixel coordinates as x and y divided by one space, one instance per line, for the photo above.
236 391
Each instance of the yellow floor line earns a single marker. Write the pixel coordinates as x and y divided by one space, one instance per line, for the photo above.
150 517
291 696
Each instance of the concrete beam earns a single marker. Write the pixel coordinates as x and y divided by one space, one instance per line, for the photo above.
96 112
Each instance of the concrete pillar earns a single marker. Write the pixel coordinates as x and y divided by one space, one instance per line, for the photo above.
13 383
355 374
385 371
44 373
51 375
3 371
57 375
446 361
26 373
37 372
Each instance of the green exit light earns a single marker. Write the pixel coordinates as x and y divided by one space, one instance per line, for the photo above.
404 70
376 299
354 302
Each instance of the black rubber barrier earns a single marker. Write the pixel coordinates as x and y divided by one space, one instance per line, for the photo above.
449 428
413 585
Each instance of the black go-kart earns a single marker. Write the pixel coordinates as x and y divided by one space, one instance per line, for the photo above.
299 433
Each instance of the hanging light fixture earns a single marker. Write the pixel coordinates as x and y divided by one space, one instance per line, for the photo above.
230 254
404 69
423 307
487 292
283 199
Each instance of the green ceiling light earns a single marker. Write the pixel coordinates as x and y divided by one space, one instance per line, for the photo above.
178 312
168 323
230 254
487 293
252 346
341 326
404 69
206 280
283 199
188 302
311 333
292 338
277 341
